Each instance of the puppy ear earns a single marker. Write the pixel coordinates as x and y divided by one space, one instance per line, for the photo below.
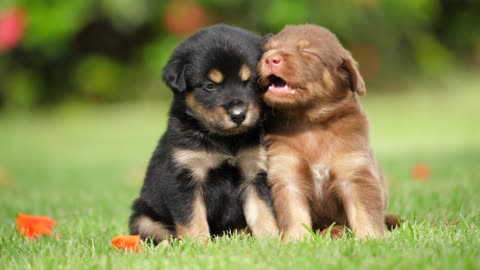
356 81
174 74
266 38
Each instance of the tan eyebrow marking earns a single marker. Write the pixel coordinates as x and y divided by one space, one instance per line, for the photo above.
215 76
245 72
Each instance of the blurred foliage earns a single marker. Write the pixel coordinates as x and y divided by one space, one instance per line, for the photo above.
113 50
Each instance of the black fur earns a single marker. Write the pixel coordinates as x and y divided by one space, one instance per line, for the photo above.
168 191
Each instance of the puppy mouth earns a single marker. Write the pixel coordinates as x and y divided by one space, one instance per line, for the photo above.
278 86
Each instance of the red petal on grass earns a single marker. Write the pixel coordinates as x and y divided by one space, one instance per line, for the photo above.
128 243
421 171
33 226
12 28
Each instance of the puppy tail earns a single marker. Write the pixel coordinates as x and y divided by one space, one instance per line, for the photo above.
393 221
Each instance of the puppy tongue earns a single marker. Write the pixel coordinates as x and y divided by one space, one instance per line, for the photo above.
279 86
280 90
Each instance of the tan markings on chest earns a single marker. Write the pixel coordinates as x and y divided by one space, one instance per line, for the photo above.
199 162
250 161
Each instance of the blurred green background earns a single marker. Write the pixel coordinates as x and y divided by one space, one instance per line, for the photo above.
104 51
82 106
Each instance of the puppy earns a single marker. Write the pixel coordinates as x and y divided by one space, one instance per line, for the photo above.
207 175
320 165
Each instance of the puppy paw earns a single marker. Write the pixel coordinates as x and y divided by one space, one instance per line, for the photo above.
298 234
336 232
365 234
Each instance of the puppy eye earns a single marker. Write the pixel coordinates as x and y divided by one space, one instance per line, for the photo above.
250 80
209 86
308 52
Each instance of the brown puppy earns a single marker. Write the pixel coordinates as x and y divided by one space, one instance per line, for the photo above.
320 164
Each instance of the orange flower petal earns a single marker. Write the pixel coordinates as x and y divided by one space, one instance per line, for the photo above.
421 172
33 226
41 229
127 242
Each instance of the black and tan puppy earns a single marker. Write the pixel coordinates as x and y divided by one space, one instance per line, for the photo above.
207 174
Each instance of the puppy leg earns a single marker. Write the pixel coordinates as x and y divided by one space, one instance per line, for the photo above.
187 201
196 227
146 223
258 212
257 206
289 199
363 204
147 228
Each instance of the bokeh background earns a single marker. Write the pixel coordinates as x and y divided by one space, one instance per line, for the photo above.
82 106
104 51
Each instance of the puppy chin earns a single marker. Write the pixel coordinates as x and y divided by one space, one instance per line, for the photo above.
228 128
229 131
232 131
282 100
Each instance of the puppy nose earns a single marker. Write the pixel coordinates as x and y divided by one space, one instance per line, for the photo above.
238 112
273 60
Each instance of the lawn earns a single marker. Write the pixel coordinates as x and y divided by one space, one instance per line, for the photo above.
83 165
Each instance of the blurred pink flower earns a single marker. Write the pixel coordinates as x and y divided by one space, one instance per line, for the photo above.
12 28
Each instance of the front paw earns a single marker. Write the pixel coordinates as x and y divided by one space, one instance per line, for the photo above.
297 234
336 232
270 231
369 233
196 232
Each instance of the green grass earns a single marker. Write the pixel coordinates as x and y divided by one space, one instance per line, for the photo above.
83 166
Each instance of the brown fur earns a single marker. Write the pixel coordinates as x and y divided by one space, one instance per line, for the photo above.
320 164
335 232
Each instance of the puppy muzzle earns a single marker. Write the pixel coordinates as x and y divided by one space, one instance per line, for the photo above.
237 111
